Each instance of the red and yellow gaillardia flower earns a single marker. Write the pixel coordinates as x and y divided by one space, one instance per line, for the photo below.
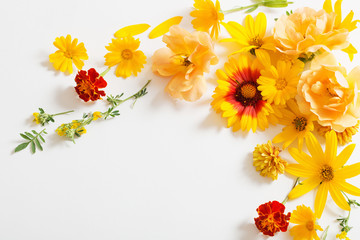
237 95
272 218
88 84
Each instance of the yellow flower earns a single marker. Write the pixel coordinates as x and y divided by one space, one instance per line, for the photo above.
124 53
207 16
279 84
267 160
306 224
342 235
36 117
69 52
298 125
325 170
250 37
96 116
64 128
343 137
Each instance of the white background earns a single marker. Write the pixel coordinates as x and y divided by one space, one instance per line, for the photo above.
164 170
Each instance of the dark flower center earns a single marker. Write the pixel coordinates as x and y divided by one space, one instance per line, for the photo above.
310 225
326 173
248 94
126 54
300 123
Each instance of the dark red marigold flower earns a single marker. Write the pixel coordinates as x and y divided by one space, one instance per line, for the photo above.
272 218
88 84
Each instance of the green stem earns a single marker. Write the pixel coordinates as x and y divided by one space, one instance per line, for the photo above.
287 197
240 8
105 72
61 113
324 235
137 91
271 4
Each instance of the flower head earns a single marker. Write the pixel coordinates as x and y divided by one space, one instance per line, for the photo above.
207 16
69 52
250 37
297 125
124 53
267 160
237 95
88 84
330 94
343 137
307 31
186 58
326 170
306 224
71 129
97 115
36 117
42 117
272 218
342 235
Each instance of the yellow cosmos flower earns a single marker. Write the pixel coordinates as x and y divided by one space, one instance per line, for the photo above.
306 224
207 16
124 53
250 37
298 125
325 170
69 52
237 96
279 84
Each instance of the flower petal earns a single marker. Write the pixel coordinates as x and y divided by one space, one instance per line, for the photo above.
302 158
299 170
348 188
344 156
164 27
348 171
132 30
338 197
314 147
331 147
320 199
305 187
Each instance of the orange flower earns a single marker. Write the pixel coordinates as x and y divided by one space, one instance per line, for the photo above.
328 92
307 31
88 84
187 57
272 218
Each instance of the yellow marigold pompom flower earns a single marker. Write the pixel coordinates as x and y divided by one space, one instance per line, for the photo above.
298 125
343 137
96 116
306 224
124 53
325 170
267 160
342 235
207 16
250 37
69 52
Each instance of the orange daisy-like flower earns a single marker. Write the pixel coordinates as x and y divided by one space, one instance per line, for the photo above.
207 16
88 84
237 95
272 218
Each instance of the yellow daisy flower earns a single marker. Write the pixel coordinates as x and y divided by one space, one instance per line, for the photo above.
69 52
250 37
298 125
325 170
306 224
124 53
207 16
237 96
279 84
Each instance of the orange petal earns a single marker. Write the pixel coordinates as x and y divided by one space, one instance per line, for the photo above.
132 30
163 27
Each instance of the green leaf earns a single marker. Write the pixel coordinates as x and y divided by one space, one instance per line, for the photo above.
24 136
29 134
38 144
250 10
21 146
41 110
41 138
34 132
33 149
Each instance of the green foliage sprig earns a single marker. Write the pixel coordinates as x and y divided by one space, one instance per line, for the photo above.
34 139
42 117
262 3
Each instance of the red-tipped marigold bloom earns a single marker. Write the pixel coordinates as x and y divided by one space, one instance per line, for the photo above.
272 218
88 84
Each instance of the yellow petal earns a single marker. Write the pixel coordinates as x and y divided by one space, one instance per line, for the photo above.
351 51
331 147
344 156
302 158
132 30
338 197
320 199
305 187
299 170
348 188
164 27
328 6
314 148
348 171
260 25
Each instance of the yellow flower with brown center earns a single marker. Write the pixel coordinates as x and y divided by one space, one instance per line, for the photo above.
124 53
69 52
343 137
251 37
207 16
325 170
267 160
306 224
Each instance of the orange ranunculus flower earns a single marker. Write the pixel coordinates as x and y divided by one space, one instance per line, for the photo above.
328 92
272 218
307 31
186 58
